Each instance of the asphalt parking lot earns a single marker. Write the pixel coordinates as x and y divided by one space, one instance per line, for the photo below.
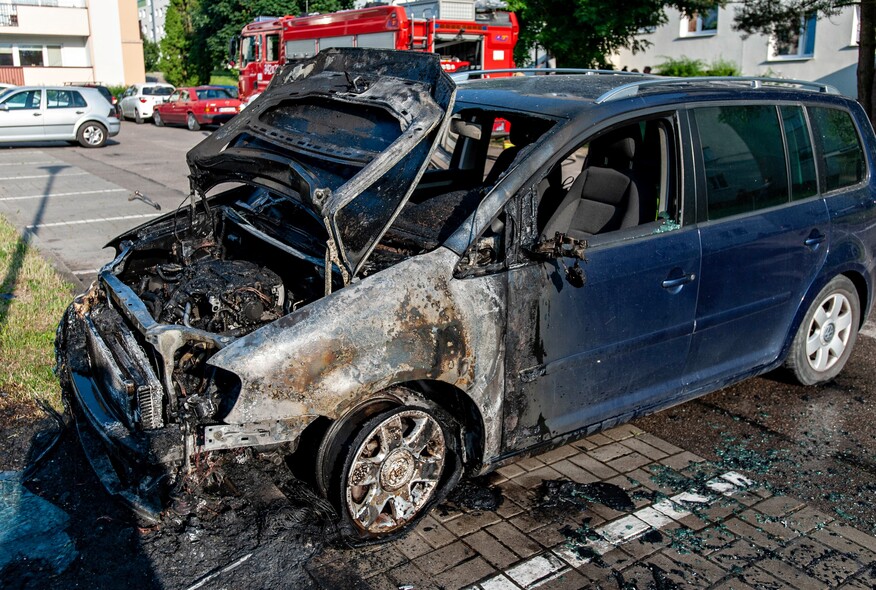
762 485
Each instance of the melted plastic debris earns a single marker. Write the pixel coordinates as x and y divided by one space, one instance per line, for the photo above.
474 495
32 530
563 494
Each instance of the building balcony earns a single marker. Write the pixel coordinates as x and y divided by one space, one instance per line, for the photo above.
44 17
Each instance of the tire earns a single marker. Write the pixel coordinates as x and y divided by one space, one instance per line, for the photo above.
827 334
156 118
137 118
391 472
91 135
192 122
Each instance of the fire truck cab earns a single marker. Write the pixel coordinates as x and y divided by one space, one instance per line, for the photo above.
465 33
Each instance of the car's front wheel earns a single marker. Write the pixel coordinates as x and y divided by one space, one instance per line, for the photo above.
391 472
192 122
91 135
156 118
827 335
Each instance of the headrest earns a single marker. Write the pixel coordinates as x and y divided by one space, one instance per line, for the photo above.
624 148
605 185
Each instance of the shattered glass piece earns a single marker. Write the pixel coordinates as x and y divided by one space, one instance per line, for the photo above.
31 528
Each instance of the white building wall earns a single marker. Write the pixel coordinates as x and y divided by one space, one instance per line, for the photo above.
105 47
834 60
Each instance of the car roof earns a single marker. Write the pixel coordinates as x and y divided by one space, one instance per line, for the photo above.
564 96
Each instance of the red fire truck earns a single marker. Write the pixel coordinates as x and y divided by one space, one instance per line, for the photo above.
465 36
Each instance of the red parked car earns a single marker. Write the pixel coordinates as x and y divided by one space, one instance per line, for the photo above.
193 107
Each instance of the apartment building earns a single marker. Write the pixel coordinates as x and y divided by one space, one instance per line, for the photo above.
58 41
823 50
152 14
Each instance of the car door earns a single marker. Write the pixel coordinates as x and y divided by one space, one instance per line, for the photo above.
764 235
127 101
603 333
21 116
64 108
176 108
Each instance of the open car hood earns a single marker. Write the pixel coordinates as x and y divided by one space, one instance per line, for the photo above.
347 132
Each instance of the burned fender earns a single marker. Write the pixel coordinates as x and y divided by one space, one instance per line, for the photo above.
411 321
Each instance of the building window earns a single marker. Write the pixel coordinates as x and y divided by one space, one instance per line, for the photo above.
796 44
856 27
30 56
6 58
700 23
53 55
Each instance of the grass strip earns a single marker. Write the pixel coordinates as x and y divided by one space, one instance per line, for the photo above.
32 298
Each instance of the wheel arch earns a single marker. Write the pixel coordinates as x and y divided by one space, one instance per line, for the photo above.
858 278
318 437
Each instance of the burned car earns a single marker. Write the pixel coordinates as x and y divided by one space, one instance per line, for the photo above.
373 278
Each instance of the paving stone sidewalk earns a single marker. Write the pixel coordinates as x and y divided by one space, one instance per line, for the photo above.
682 523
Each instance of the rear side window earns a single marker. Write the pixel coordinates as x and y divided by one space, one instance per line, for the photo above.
744 158
64 99
835 132
801 159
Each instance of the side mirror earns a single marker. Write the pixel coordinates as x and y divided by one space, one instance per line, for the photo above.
4 107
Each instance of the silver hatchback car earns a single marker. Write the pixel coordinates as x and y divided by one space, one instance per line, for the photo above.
47 113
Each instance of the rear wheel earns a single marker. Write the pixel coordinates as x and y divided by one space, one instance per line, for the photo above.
156 118
391 471
91 135
825 338
192 122
138 119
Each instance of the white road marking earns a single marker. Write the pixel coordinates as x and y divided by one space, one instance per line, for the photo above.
538 570
92 271
95 220
44 175
43 196
27 163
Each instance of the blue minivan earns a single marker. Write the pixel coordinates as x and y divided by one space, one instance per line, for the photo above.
401 281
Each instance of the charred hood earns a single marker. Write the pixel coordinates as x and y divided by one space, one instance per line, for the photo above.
348 133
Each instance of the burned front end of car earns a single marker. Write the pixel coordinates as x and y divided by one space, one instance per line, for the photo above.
314 173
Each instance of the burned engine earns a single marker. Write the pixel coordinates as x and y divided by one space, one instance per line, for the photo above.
227 297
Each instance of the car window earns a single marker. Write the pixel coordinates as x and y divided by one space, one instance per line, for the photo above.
29 99
157 90
616 185
184 96
174 97
840 147
213 93
744 158
801 156
64 99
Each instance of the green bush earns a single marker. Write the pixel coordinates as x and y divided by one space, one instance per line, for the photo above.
723 67
686 67
682 67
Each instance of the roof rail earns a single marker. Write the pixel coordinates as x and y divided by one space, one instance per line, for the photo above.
632 89
466 75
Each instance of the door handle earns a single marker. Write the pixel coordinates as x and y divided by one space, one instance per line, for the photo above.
815 238
37 114
79 112
674 283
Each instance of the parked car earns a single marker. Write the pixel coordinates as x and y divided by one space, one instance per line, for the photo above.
193 107
70 113
386 285
103 89
139 100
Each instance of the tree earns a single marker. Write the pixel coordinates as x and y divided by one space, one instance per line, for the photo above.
177 43
583 33
782 19
151 53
